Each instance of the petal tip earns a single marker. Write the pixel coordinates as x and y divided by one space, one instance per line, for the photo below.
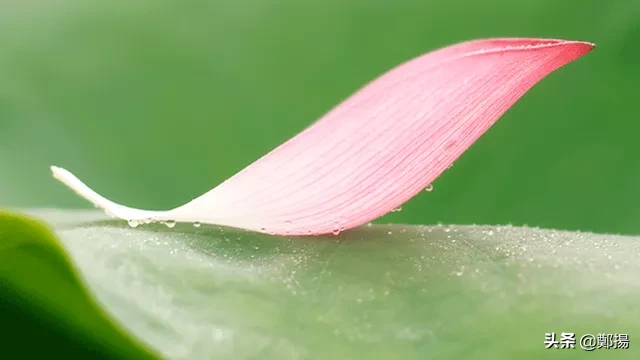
585 46
577 49
56 171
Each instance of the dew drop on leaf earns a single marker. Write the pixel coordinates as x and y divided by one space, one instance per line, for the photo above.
133 223
429 187
196 224
170 224
399 208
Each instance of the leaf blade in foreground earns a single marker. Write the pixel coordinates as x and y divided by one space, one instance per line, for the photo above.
379 292
37 275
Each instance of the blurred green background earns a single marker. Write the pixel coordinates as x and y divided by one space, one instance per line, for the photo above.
154 102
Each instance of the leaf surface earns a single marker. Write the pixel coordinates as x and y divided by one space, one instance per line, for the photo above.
375 292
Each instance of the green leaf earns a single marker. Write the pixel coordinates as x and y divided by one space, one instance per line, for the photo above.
37 276
377 292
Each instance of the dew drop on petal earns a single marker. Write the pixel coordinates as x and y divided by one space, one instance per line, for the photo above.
449 145
336 228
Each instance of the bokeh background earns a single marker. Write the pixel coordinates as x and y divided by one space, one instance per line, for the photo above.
153 102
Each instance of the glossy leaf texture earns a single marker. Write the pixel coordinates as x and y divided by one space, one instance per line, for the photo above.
376 292
378 148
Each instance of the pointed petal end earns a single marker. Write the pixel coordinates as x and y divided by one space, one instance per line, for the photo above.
113 209
63 176
583 47
55 170
573 50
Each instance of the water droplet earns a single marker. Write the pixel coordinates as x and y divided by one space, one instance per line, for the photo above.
449 144
399 208
288 224
196 224
133 223
429 187
170 223
337 228
390 233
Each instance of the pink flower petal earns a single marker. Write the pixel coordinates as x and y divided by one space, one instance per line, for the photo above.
378 148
